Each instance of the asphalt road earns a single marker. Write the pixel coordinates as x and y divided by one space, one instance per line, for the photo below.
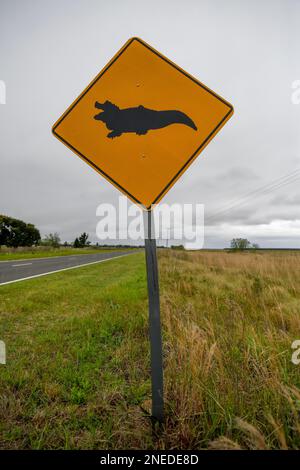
12 271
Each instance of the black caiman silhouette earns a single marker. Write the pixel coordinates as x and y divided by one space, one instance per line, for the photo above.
139 119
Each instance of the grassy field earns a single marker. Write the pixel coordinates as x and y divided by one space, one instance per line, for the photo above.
77 373
29 253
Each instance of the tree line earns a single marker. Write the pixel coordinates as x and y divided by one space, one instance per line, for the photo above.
15 232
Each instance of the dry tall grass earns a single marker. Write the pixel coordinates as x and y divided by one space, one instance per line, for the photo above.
78 368
229 321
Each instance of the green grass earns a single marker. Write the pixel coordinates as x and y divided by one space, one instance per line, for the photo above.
76 358
46 253
77 373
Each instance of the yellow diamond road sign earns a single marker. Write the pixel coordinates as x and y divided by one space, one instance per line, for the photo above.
142 121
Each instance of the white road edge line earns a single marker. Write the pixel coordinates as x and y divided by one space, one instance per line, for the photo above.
64 269
23 264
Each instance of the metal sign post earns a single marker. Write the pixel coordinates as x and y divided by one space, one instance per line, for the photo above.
154 318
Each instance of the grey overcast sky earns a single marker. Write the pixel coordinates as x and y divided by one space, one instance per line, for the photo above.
247 51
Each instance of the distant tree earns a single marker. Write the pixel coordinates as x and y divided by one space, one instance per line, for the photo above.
82 240
177 247
52 239
15 232
76 243
240 244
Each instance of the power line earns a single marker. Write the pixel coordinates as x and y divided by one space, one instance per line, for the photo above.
263 190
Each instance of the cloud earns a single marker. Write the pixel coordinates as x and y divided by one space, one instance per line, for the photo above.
48 58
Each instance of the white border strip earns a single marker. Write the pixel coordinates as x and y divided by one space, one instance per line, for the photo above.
22 264
64 269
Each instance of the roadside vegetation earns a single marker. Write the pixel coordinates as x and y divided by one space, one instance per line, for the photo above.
45 252
77 373
15 232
